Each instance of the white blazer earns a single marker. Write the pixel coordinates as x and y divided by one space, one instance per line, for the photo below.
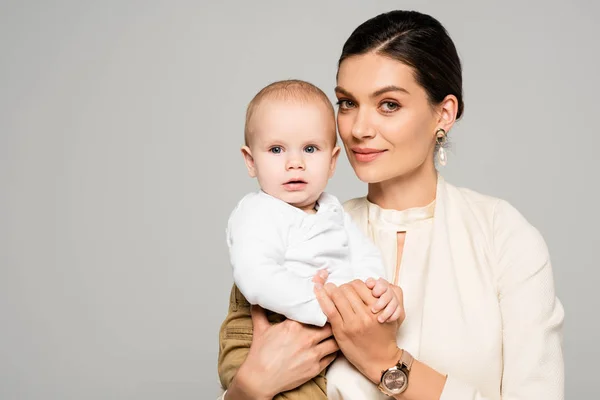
491 320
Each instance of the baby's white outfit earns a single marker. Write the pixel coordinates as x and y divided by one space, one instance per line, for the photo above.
276 249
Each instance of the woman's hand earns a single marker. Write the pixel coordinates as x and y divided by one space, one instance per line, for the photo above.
369 345
281 357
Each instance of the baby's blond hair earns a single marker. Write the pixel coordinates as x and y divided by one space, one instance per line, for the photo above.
286 90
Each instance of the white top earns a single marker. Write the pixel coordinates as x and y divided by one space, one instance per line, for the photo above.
479 296
276 249
343 381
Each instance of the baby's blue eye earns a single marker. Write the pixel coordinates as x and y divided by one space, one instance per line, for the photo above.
310 149
275 150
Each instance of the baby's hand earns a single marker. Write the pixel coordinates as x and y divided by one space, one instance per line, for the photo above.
387 300
320 278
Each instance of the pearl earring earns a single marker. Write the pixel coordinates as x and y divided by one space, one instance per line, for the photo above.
441 140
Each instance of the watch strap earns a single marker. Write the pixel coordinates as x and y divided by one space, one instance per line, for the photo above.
406 360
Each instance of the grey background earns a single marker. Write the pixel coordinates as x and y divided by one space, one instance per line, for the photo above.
120 124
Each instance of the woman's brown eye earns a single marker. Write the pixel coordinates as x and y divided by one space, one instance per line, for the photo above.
390 106
345 104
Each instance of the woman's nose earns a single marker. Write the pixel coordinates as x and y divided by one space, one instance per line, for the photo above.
361 128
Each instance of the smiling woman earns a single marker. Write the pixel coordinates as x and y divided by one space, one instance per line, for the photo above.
392 108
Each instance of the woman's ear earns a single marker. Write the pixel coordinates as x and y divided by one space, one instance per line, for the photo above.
249 160
334 156
447 111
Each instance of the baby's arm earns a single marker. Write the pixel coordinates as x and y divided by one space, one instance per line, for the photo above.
257 250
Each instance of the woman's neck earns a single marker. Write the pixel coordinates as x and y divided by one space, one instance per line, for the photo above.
416 189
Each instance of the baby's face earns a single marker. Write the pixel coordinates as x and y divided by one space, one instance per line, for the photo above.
292 150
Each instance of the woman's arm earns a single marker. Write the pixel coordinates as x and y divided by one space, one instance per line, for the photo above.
281 357
532 316
369 345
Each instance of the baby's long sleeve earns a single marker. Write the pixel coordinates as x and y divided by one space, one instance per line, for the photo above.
256 238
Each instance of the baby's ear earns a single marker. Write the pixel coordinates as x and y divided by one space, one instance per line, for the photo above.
335 153
249 160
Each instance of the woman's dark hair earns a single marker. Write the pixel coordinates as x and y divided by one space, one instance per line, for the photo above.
417 40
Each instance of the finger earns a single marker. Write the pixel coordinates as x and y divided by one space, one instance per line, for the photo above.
381 286
399 295
320 277
359 308
327 347
343 305
322 333
388 311
363 292
327 305
397 314
325 361
383 301
260 323
370 283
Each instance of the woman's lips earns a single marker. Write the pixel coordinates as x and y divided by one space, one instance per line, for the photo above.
366 155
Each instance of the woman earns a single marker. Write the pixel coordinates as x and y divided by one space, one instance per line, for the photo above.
482 320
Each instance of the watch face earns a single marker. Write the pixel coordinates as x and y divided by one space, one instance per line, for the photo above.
394 381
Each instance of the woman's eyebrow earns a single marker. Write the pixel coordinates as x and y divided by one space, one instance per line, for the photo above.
390 88
378 92
340 90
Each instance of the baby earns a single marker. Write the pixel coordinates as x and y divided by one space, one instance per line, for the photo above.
280 237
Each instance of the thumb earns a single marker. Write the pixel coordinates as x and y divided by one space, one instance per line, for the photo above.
260 323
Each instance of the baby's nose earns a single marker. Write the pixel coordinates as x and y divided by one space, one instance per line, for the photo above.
295 163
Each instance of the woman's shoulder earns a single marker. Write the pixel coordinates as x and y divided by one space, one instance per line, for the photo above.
496 209
480 203
506 226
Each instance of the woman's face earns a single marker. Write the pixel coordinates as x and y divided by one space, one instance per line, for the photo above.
384 118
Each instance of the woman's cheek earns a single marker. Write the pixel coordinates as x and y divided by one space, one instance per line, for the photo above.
344 126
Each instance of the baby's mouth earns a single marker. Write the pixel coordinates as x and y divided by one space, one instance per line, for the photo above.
294 185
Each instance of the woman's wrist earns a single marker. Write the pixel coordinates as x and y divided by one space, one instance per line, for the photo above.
376 367
244 387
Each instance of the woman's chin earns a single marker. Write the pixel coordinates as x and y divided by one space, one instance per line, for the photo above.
381 172
370 174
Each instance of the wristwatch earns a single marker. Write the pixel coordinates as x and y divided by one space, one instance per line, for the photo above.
394 380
